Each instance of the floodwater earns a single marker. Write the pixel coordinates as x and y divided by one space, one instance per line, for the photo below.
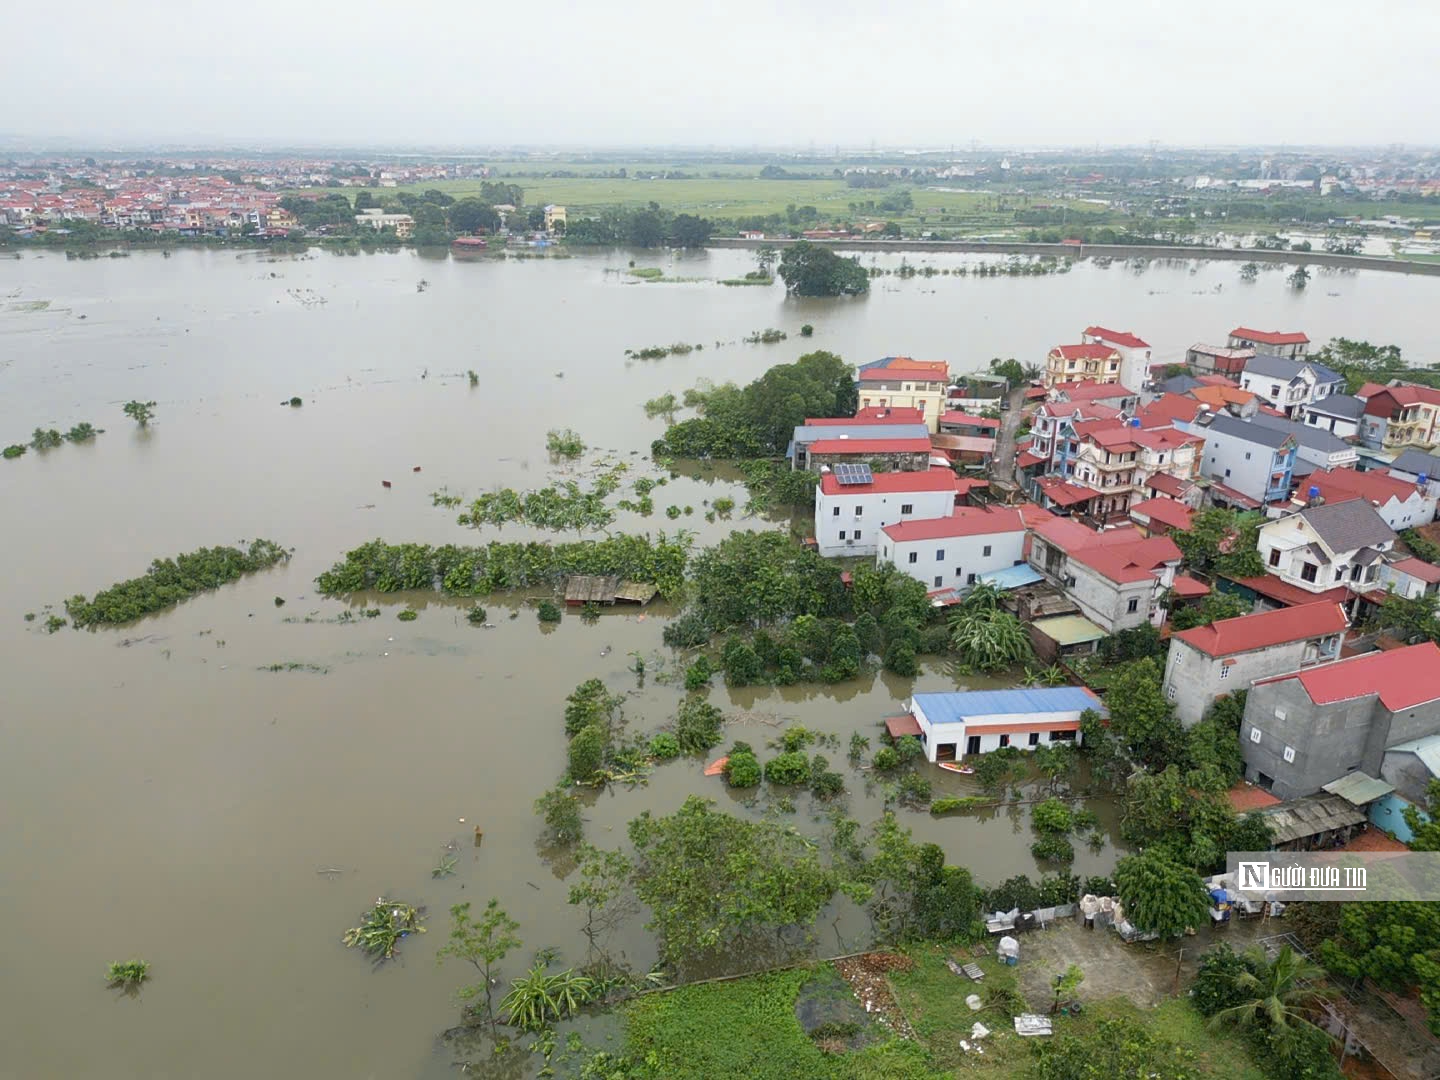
165 799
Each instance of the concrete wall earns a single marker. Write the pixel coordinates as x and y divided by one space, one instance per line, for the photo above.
1194 679
867 514
1409 775
1388 813
1226 454
1327 740
955 560
1106 603
918 461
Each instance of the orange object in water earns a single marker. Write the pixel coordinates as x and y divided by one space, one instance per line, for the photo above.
715 768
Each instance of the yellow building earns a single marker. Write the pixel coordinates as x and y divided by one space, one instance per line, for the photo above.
898 382
554 215
377 219
1082 363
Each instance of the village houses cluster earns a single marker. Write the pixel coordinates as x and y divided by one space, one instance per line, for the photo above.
1075 529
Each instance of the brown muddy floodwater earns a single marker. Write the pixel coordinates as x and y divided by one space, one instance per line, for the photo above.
165 799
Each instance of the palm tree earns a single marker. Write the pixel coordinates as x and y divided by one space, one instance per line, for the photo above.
1279 992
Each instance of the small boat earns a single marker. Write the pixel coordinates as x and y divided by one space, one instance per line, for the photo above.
963 770
715 768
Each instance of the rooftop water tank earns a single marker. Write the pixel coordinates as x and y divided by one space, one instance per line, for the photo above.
1313 493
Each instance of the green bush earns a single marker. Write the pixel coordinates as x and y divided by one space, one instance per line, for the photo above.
586 756
476 615
935 640
742 770
13 451
742 666
548 611
825 783
807 330
900 659
561 812
295 403
1214 988
687 631
788 768
408 615
961 804
724 505
1052 816
697 725
664 746
908 748
795 738
590 703
886 759
1053 848
914 788
697 675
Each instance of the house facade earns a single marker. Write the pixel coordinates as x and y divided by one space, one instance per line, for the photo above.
954 725
1397 417
1400 505
849 515
1217 360
1134 353
900 382
1116 579
1256 461
1289 385
1291 346
1207 662
1327 545
1082 363
1304 729
952 552
1339 414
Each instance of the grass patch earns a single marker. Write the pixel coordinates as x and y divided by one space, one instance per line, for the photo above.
748 1028
647 273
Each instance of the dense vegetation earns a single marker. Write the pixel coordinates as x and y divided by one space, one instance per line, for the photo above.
473 571
169 581
813 270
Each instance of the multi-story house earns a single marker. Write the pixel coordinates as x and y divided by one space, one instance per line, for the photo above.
1054 442
1107 463
852 505
1399 416
1314 447
1250 461
1207 662
1290 385
1082 363
1307 728
951 552
1292 346
1116 578
1217 360
1339 414
1327 545
1134 354
1112 394
1400 504
898 381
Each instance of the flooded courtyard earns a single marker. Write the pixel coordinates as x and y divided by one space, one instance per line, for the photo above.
169 797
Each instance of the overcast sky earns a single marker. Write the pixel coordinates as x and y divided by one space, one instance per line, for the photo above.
742 73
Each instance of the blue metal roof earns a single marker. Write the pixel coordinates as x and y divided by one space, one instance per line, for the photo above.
954 708
1012 577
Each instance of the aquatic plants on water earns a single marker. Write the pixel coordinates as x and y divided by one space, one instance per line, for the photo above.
383 927
127 974
538 998
564 443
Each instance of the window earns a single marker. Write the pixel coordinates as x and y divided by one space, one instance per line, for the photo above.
1274 556
835 512
859 510
969 579
907 508
987 551
940 555
1225 671
1227 474
914 555
1134 605
842 537
1247 455
1308 571
1004 740
1289 754
857 534
938 581
1170 693
1034 738
1255 734
1062 736
1274 390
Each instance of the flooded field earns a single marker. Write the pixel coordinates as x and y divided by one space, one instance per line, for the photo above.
166 798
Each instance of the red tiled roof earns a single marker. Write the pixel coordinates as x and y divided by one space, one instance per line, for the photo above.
1116 337
1035 392
1246 633
1268 585
1416 568
869 446
954 416
1028 459
1165 512
1370 389
1087 427
1269 337
924 480
966 484
1164 438
1221 380
1337 485
1127 562
1088 390
1219 396
913 374
1070 536
1034 515
1244 797
899 726
965 521
1401 395
1372 839
1169 485
1083 352
1238 498
1063 493
1403 678
1165 410
872 414
1113 437
1187 588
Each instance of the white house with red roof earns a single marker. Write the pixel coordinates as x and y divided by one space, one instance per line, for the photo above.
950 553
1403 505
1206 662
1291 345
1304 729
852 505
1134 354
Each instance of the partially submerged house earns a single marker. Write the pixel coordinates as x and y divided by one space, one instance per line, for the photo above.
950 725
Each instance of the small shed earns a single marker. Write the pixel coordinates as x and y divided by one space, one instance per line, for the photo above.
1313 823
1062 637
636 592
1358 788
591 589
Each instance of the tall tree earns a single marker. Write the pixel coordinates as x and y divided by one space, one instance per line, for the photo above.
689 231
483 943
1159 895
470 213
1141 716
1278 994
1221 541
601 889
811 270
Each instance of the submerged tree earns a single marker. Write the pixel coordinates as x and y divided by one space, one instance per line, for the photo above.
142 412
482 943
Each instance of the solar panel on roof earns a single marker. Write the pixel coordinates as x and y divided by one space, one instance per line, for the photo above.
847 474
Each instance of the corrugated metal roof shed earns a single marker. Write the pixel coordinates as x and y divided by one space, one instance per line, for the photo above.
954 708
636 592
590 589
1426 749
1310 816
1012 577
1358 788
1069 629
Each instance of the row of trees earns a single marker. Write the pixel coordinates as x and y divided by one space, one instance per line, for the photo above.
645 227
